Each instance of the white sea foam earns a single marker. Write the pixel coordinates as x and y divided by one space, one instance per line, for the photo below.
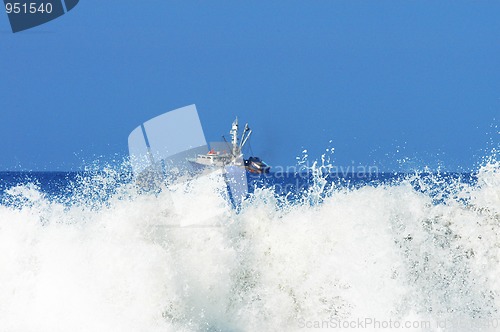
374 254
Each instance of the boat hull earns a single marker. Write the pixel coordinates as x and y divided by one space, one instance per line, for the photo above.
256 165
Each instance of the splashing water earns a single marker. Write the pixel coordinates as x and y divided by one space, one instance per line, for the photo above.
420 249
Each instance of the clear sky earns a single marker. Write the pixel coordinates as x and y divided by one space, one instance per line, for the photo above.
383 80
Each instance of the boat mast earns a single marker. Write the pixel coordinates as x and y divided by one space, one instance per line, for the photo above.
234 138
244 138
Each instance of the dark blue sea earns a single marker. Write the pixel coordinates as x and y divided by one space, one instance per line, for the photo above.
63 185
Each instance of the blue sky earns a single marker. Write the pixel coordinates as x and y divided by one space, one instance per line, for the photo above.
385 81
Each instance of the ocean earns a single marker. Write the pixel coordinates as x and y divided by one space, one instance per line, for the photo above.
313 250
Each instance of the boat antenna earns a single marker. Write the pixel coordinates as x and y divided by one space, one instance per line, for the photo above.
243 135
244 138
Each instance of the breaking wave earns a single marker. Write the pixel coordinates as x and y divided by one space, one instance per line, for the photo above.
420 249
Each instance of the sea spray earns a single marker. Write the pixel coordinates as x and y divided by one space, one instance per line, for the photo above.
422 249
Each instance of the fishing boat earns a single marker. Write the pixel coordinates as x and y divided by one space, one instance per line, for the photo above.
230 153
174 143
